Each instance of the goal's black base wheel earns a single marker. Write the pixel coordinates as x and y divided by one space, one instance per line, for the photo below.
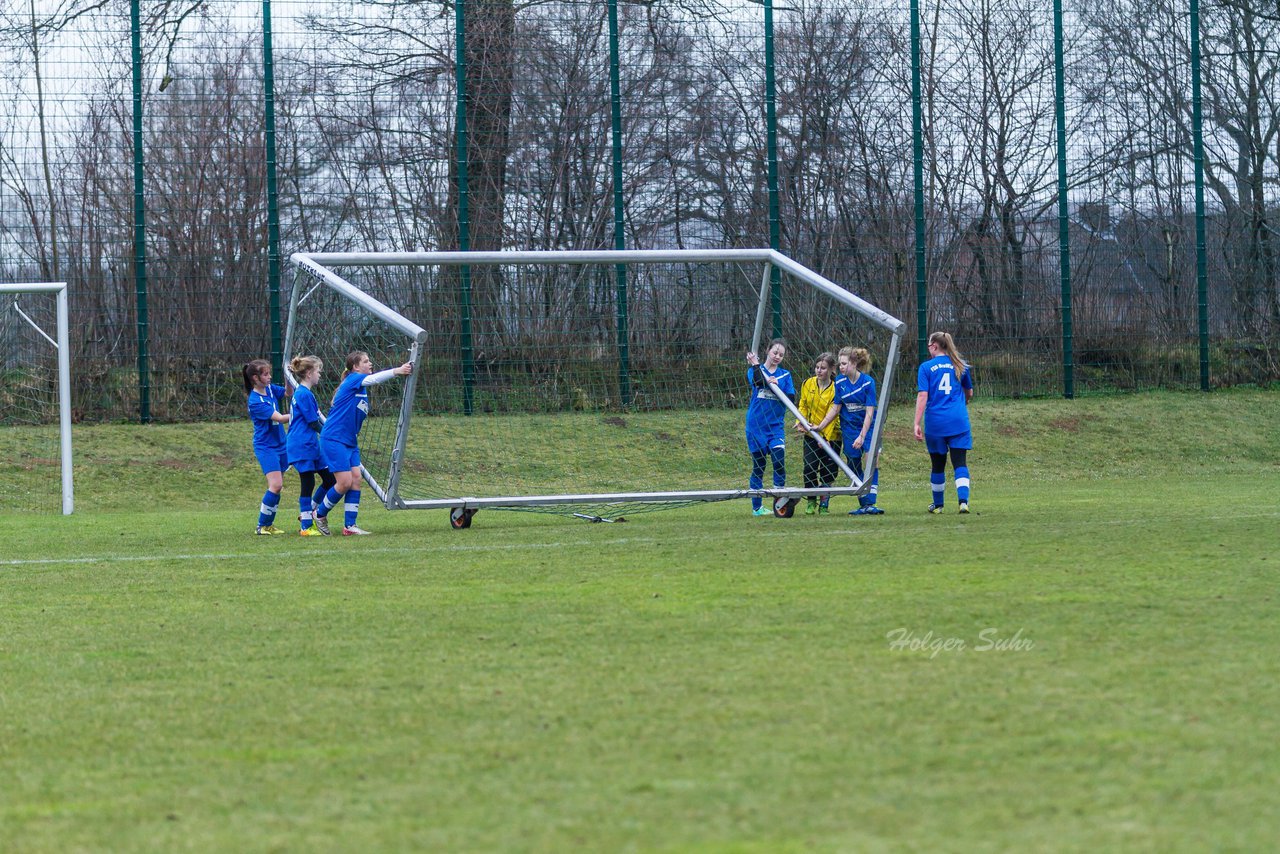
460 517
785 508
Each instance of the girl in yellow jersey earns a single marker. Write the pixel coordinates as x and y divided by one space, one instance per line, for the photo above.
816 396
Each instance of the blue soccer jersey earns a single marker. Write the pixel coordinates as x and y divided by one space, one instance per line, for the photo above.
303 442
945 413
765 413
347 413
854 397
268 435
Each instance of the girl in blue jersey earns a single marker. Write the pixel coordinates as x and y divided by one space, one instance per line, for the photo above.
338 438
855 404
944 388
303 442
268 438
766 438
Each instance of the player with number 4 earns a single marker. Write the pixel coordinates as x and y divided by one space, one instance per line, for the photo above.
945 387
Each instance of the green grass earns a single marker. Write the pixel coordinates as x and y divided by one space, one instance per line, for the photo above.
692 680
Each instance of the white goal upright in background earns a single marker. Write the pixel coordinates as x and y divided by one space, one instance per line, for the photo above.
35 396
597 383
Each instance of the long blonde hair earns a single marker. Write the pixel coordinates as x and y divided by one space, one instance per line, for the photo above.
945 343
859 357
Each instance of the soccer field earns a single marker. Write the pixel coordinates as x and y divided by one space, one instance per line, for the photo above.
1087 662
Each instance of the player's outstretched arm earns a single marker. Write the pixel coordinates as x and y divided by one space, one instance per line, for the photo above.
922 400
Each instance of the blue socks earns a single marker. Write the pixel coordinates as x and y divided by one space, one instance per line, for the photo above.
331 499
351 508
869 500
267 512
756 481
962 484
779 457
938 483
304 511
758 460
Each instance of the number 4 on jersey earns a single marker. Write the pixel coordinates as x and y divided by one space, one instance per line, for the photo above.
944 382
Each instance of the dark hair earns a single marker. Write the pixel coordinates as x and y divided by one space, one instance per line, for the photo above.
828 359
776 342
353 359
252 370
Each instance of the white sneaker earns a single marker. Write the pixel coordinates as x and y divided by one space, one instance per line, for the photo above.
322 524
353 531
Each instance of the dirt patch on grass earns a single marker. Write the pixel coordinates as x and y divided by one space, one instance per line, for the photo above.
1066 425
899 434
615 421
1008 431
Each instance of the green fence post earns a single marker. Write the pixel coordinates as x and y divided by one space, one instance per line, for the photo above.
139 220
771 156
1197 143
1064 230
917 160
464 224
619 211
273 199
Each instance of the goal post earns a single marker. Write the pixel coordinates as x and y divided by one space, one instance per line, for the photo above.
36 393
547 374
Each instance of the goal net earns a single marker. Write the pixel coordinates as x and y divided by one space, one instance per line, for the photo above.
597 383
35 403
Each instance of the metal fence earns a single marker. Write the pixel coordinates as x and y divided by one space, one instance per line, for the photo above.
1082 193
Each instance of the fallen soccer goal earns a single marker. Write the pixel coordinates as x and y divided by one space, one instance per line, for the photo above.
593 383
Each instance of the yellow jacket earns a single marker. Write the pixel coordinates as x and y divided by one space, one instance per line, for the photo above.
815 402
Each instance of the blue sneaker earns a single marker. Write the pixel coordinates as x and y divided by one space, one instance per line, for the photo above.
869 510
762 511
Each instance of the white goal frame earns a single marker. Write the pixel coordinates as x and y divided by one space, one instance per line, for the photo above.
319 266
61 346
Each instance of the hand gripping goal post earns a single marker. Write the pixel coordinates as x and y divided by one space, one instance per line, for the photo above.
591 383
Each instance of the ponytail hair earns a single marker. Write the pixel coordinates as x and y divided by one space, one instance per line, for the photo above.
859 357
300 366
947 345
353 359
252 370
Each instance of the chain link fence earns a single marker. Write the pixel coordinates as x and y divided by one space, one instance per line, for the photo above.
165 158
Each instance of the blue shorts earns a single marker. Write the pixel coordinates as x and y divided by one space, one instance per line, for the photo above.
271 460
764 444
940 444
310 464
339 457
856 453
